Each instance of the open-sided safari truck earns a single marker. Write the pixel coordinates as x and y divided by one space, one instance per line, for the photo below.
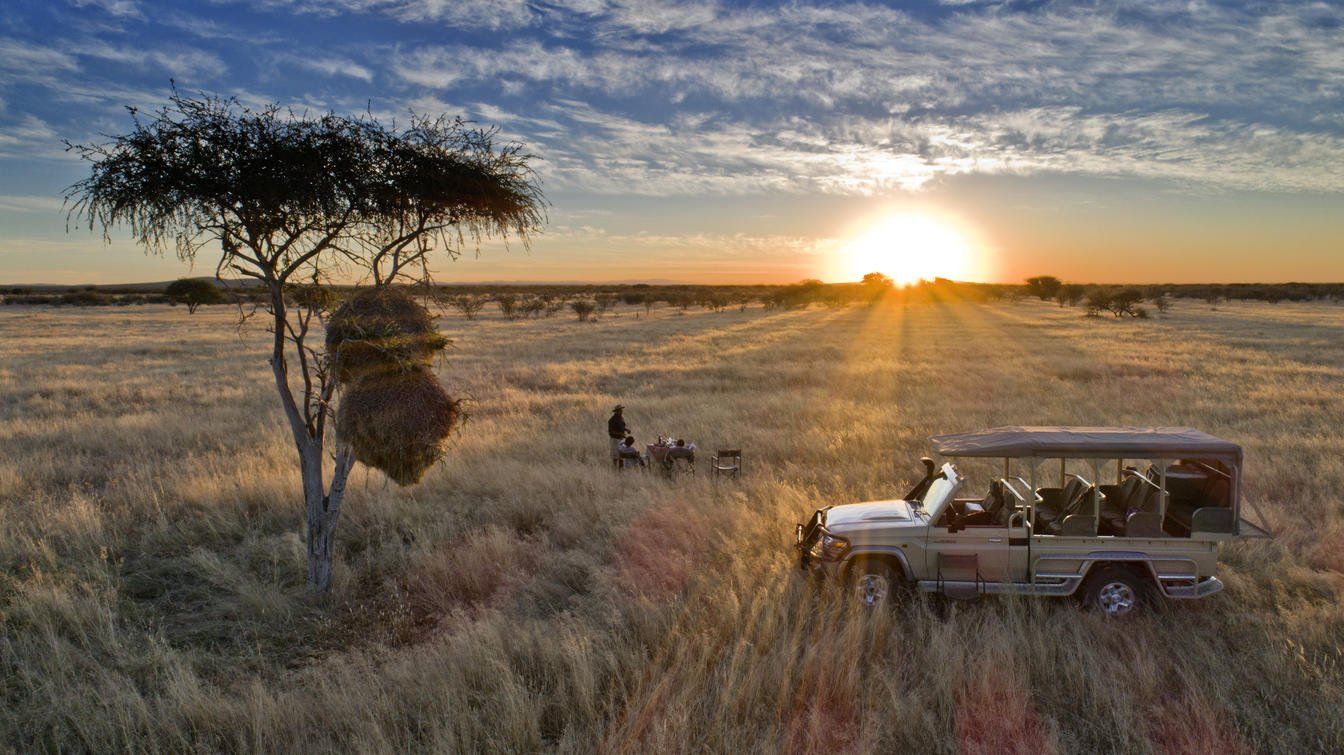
1048 524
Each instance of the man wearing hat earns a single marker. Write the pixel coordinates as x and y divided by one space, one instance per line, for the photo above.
616 431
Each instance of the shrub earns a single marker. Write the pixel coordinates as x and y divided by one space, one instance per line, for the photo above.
508 306
86 298
468 305
1070 294
584 309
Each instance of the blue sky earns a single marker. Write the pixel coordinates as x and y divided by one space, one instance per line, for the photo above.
716 141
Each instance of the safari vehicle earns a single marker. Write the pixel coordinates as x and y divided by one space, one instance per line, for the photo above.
1047 526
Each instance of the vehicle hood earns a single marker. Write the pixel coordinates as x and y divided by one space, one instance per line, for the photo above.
869 512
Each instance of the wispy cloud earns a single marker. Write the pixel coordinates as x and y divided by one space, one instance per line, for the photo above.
37 204
329 66
28 136
180 62
119 8
26 60
866 99
689 97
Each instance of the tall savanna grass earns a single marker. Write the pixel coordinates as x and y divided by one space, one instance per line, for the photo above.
527 597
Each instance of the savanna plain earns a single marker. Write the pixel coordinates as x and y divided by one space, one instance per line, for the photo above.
526 597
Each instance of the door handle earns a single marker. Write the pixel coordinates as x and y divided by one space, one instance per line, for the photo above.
996 540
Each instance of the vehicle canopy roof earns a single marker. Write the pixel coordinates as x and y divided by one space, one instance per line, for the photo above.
1090 442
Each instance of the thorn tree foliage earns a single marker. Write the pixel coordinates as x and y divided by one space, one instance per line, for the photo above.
298 203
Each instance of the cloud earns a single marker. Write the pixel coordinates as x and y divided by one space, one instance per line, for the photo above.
864 99
330 66
40 204
27 137
118 8
877 156
671 98
473 14
27 61
181 62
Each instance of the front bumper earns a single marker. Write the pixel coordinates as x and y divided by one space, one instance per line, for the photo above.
809 560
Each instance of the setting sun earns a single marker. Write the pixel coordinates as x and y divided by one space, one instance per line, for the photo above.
908 247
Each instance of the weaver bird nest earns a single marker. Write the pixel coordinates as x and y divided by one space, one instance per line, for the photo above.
381 328
393 412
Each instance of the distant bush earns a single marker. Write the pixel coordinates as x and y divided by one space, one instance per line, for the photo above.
798 295
584 309
1070 294
1162 302
467 304
32 299
193 292
532 307
1043 287
508 306
605 302
86 298
1120 302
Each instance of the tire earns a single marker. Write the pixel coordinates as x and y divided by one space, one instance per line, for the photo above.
1116 593
874 584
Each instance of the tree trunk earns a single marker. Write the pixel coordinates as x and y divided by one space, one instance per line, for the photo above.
315 506
322 506
324 510
320 540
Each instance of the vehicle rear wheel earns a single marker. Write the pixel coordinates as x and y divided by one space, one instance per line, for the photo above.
874 583
1116 592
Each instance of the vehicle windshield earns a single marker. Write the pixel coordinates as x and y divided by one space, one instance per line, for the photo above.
940 490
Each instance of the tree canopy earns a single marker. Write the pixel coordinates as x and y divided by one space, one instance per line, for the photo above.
277 189
1043 286
297 202
193 292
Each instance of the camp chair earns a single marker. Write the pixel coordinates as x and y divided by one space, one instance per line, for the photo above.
726 462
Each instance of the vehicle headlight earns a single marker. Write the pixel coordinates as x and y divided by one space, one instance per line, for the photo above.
833 548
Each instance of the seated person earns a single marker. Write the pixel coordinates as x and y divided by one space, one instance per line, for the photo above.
629 455
681 451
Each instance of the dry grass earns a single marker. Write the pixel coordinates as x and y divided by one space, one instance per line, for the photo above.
525 597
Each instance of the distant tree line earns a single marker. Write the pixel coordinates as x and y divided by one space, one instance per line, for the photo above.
533 301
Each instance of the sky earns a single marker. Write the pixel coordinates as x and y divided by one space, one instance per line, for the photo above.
753 142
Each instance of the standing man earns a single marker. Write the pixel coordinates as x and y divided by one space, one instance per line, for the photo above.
616 431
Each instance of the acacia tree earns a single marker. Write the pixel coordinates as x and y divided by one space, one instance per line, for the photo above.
295 202
1043 287
193 292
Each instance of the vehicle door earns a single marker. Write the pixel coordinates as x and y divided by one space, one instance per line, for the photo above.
960 552
972 550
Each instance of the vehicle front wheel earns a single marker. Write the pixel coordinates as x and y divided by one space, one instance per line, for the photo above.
874 583
1116 592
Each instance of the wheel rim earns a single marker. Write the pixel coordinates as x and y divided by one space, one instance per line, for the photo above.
871 589
1117 599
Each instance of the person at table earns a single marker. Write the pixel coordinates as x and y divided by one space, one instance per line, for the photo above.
617 431
628 454
681 451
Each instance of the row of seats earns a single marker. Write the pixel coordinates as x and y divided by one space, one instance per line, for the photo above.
1056 504
1129 509
1126 510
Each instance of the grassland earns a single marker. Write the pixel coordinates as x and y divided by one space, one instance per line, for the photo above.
526 597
